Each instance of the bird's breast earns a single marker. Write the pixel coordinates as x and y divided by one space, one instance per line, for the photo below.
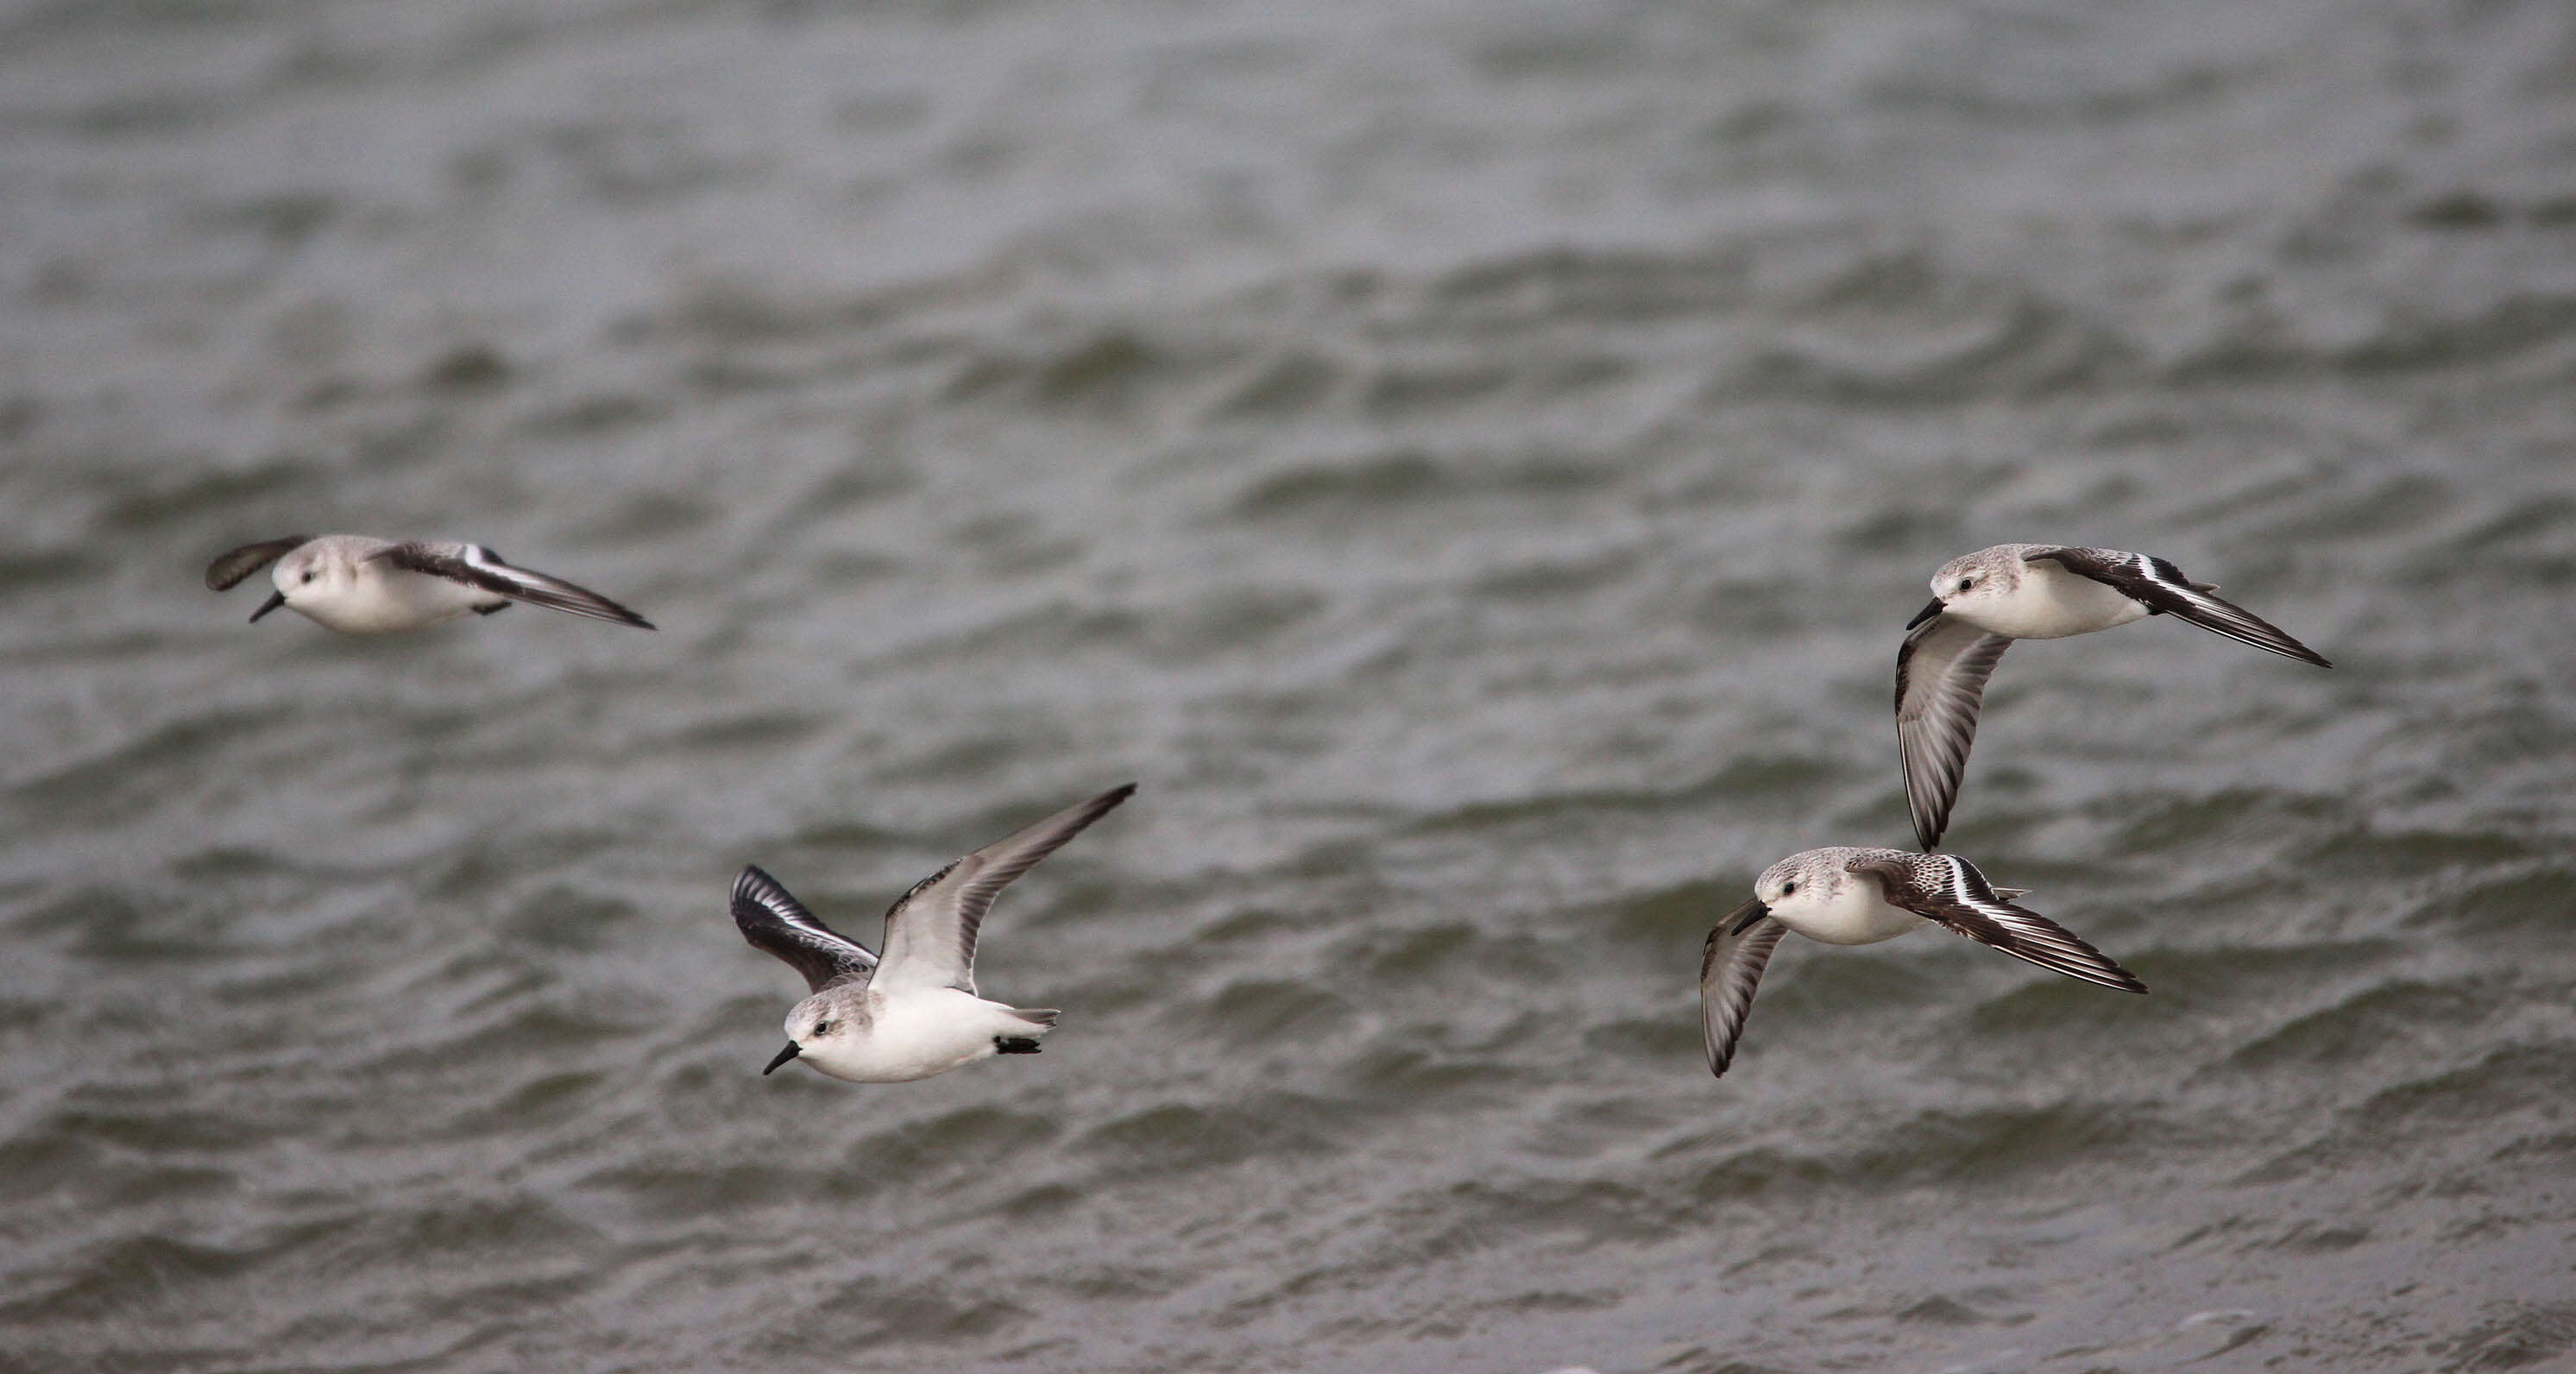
1857 915
2052 603
377 602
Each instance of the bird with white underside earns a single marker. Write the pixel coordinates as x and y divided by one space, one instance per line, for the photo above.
1845 896
364 585
914 1011
1983 601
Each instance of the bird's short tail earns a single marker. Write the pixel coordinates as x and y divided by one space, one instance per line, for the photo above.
1039 1020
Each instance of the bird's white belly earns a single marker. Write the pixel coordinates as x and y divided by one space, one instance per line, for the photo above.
2052 603
914 1034
379 602
1857 915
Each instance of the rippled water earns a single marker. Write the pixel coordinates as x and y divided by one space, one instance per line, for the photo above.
1469 463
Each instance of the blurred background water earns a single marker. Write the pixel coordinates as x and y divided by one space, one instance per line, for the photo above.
1470 462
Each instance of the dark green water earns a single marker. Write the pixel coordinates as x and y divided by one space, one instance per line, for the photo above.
1470 463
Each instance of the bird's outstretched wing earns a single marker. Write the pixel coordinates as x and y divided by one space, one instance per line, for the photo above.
930 931
479 567
1941 674
1950 890
777 923
227 571
1730 967
2160 586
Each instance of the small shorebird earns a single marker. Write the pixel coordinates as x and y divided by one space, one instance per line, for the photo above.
914 1012
1846 896
1983 601
370 586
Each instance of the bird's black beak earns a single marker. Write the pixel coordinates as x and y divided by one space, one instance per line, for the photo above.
1742 918
275 600
783 1056
1926 613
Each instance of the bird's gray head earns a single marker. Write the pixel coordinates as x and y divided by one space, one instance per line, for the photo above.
814 1024
310 573
1973 579
1811 879
1795 884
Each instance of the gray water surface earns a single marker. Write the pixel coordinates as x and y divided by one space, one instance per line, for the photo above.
1469 463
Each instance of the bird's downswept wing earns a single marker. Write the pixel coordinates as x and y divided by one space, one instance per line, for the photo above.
930 931
479 567
1950 890
227 571
1941 674
2160 586
1730 967
778 924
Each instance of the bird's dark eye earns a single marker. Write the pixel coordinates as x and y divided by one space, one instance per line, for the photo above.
1787 888
1964 583
822 1028
308 576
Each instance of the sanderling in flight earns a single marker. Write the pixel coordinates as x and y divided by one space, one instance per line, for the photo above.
369 586
1846 896
1984 601
914 1012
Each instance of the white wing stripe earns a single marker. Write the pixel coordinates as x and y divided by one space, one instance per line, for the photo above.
2161 586
476 566
1948 889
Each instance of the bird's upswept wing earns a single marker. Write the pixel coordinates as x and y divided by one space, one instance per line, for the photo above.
777 923
227 571
930 931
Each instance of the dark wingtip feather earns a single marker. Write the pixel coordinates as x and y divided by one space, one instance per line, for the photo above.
589 603
2276 642
750 881
2090 966
757 898
624 616
230 567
